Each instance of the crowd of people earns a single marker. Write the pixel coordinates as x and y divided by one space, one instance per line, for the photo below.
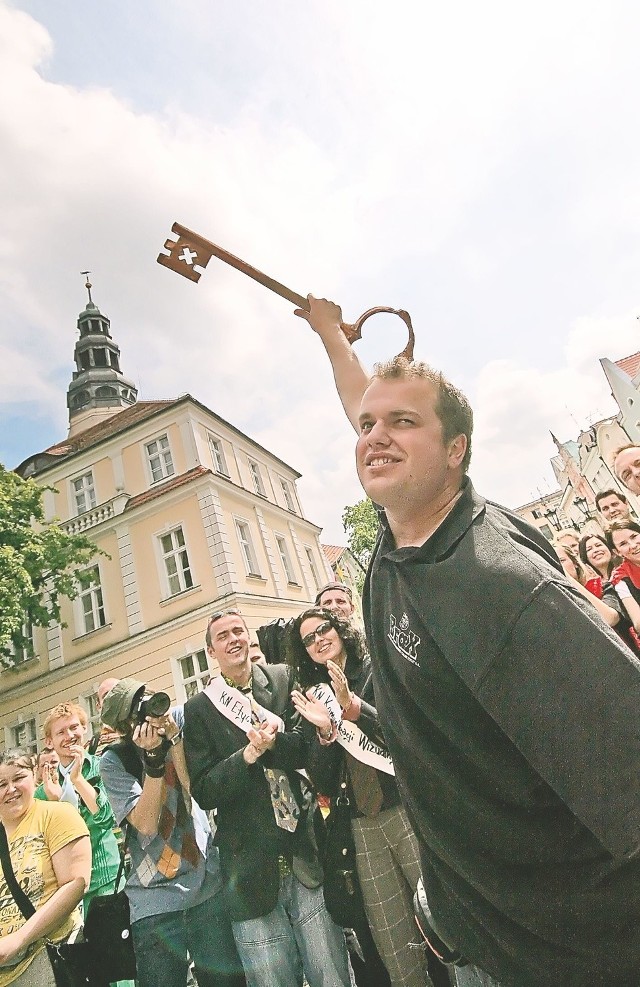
607 564
244 760
481 733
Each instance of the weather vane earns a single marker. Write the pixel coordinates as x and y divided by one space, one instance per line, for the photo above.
87 284
191 251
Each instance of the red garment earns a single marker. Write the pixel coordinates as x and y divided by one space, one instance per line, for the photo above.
626 570
594 586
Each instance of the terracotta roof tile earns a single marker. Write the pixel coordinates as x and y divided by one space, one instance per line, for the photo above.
629 364
163 488
333 553
111 426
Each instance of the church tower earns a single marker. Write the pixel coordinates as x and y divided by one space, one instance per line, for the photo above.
98 389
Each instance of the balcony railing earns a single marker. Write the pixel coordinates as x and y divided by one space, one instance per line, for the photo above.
81 523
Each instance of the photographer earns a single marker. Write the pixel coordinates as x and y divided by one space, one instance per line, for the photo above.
177 911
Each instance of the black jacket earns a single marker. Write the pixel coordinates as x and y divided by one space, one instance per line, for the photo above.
247 836
326 761
511 710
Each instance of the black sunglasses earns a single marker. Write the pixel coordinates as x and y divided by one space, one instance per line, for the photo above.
223 613
321 629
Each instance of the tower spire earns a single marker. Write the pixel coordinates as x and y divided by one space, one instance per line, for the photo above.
98 389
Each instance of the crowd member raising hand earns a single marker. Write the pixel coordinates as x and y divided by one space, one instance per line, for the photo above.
327 651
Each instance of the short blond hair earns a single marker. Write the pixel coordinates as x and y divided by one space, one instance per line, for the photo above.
62 710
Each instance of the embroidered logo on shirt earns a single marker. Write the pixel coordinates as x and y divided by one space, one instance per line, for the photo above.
403 639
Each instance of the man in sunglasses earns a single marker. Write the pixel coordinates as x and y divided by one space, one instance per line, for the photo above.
508 707
244 746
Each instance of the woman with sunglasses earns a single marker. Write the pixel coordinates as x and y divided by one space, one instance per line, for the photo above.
327 650
50 854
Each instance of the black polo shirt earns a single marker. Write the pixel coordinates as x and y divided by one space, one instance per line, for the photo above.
511 712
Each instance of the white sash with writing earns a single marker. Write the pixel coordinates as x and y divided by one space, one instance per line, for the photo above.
238 707
245 712
350 736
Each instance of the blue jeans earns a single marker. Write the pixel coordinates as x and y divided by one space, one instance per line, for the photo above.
162 943
296 939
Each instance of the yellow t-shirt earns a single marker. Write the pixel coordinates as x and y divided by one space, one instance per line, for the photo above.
46 828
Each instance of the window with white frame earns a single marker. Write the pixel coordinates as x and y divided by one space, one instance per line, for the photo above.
256 476
159 458
288 495
90 600
217 454
84 493
24 650
194 673
176 561
25 735
246 546
91 706
312 566
285 558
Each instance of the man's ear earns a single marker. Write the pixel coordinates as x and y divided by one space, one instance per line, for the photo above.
457 450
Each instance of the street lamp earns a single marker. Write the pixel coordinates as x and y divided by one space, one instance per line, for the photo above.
583 506
551 515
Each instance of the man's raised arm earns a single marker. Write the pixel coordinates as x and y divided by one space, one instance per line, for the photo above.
351 378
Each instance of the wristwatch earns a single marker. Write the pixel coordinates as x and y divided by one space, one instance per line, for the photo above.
176 740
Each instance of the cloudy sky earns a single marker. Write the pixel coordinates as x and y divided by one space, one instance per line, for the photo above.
477 164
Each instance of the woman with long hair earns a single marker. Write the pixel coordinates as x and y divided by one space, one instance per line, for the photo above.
328 652
50 854
594 552
623 538
570 563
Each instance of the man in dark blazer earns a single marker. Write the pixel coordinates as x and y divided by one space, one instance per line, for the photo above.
243 744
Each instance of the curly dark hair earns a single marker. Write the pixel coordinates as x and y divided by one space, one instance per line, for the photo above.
309 672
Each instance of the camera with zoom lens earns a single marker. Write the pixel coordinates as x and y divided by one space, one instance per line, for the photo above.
149 704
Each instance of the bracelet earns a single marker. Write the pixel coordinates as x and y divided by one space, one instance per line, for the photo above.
154 770
175 740
155 761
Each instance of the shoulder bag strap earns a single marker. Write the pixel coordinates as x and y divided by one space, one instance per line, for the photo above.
123 854
18 894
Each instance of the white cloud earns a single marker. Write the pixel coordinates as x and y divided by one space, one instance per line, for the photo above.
466 162
517 408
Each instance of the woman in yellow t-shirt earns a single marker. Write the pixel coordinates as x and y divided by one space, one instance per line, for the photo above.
51 857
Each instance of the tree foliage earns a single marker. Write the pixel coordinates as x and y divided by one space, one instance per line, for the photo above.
38 562
360 523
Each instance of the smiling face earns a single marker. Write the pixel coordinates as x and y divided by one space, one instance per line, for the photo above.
403 463
626 466
627 544
230 647
613 509
17 785
65 733
598 554
325 646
